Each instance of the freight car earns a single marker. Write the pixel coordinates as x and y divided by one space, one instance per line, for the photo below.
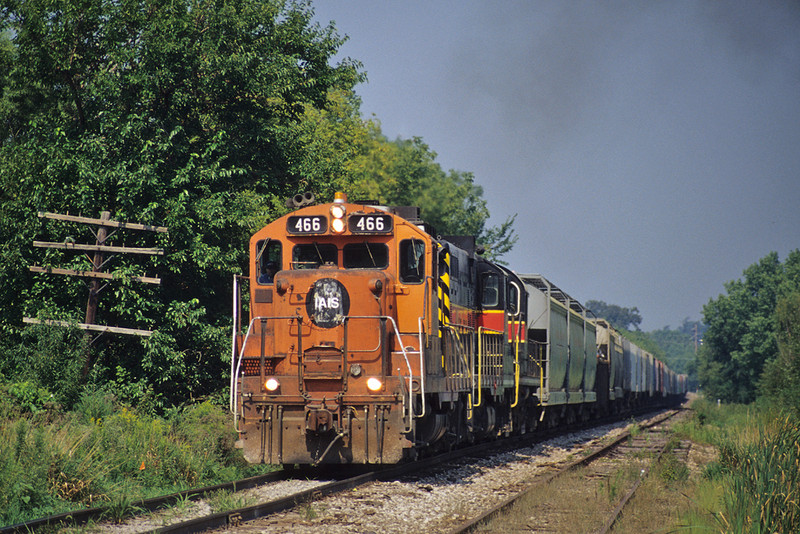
371 339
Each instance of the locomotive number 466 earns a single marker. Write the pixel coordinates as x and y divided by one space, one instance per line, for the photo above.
370 224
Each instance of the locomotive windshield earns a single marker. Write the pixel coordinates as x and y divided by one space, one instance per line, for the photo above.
366 255
268 260
313 255
412 260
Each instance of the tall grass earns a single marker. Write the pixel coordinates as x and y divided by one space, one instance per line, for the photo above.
755 481
762 480
106 455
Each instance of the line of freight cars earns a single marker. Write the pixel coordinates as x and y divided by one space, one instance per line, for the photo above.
371 339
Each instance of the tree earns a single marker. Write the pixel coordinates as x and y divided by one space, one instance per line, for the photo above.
678 347
741 334
199 116
184 114
405 172
619 317
781 380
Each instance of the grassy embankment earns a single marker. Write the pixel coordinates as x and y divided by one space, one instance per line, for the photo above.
748 480
742 475
102 454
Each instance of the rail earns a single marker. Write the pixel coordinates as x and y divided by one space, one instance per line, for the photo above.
482 521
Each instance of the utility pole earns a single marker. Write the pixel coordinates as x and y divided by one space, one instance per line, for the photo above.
97 266
98 259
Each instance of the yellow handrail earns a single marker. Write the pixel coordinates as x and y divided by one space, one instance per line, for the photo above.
481 331
516 368
480 367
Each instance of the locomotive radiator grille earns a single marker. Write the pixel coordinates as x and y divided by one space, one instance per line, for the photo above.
251 366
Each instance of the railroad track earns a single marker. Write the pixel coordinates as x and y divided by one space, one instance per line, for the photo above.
601 484
96 514
312 491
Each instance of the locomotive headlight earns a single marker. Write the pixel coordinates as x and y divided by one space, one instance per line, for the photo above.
337 213
338 225
272 384
374 384
337 210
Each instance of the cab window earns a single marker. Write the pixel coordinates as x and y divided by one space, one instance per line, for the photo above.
365 255
268 260
412 261
490 293
313 255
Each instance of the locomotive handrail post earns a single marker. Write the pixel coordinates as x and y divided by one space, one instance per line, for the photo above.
232 402
422 365
516 367
300 359
262 359
480 364
410 372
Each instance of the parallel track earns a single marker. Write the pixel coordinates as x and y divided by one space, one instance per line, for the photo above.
484 520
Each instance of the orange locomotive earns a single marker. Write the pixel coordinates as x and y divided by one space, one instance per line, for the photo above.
370 341
351 335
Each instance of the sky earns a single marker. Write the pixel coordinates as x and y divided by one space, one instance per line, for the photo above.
650 150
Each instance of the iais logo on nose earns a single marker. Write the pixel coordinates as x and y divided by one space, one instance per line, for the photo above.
327 303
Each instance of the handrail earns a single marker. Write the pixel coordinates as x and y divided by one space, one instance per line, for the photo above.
480 366
232 400
481 331
410 372
453 331
421 365
516 367
239 357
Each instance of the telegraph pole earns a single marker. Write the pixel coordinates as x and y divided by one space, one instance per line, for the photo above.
97 266
97 274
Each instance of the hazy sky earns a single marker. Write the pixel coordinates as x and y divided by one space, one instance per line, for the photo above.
650 149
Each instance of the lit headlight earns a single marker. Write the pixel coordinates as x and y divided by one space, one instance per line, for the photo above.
272 384
337 211
374 384
338 225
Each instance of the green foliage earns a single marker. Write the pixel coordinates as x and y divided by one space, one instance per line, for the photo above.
47 360
405 172
100 455
201 117
741 336
28 397
781 379
619 317
182 114
762 481
678 350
